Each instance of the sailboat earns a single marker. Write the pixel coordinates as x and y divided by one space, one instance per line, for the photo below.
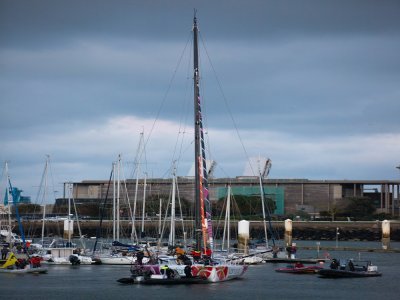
203 266
58 251
203 224
262 252
113 256
25 263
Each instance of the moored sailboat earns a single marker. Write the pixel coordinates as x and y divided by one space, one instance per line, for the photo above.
24 263
59 251
203 225
203 264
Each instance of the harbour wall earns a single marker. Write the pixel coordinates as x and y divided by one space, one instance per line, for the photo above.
302 230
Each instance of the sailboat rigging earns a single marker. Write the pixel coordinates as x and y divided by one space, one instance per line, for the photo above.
203 265
12 264
203 224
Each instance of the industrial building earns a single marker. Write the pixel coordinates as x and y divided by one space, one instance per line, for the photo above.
290 195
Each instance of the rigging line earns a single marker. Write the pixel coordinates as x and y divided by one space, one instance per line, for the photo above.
166 215
177 164
167 92
206 137
223 208
39 193
204 106
52 179
181 141
226 103
189 91
3 172
125 191
126 198
138 157
177 152
77 220
145 158
102 208
180 204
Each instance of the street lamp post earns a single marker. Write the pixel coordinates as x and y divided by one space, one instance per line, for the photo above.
337 237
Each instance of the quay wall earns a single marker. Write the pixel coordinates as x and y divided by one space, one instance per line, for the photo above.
302 230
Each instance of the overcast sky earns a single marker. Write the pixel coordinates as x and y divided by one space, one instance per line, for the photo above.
313 85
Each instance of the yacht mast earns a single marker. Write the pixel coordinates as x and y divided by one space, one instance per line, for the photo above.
203 225
196 79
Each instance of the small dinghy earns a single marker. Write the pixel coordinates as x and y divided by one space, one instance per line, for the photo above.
22 266
299 269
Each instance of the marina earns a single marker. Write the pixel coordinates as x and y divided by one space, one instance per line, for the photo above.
260 282
152 232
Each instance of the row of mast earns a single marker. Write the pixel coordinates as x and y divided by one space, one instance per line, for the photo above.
203 226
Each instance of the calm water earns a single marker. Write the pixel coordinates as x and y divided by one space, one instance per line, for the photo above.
260 282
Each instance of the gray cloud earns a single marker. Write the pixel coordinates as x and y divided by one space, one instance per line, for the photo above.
302 80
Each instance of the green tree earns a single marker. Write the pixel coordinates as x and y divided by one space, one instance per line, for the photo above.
250 205
153 205
25 209
87 209
360 208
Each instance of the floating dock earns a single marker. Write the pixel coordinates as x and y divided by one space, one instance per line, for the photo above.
297 260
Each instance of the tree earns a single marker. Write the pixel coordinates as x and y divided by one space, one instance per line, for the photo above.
333 212
360 208
153 205
250 205
25 209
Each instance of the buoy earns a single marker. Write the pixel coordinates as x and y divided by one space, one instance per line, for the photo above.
243 236
385 234
68 229
288 232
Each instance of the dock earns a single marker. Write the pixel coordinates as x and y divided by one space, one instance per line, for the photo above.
353 249
297 260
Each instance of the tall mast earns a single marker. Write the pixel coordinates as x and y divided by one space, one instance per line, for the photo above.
203 225
45 194
171 241
114 168
118 196
196 79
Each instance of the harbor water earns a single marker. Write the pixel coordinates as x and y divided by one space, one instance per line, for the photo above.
260 282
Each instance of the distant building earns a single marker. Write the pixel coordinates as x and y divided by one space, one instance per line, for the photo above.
290 195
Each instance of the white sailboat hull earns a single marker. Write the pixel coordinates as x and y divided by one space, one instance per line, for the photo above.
83 260
119 260
116 260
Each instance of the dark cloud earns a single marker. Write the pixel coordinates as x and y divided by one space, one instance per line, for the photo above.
288 72
45 23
